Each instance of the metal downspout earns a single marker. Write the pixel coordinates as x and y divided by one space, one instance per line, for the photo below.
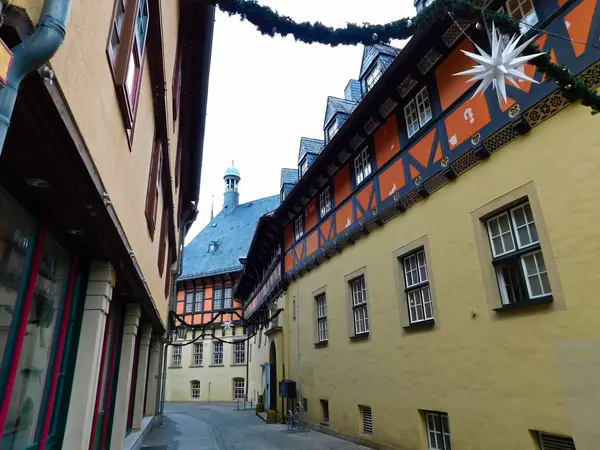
32 54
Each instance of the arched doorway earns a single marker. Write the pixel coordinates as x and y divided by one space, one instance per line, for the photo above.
273 377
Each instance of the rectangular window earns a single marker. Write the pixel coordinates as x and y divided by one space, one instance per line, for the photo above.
411 117
416 282
549 441
359 305
154 182
362 166
325 201
218 300
239 352
325 409
189 302
217 353
322 318
238 389
524 12
423 107
199 301
198 353
176 356
126 50
332 129
517 256
367 421
299 227
303 167
228 298
195 390
162 243
438 431
373 76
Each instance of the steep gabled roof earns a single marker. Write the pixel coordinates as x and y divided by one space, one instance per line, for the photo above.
370 52
289 176
231 232
335 105
309 145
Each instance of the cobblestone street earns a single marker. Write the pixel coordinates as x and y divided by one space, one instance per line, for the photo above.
212 426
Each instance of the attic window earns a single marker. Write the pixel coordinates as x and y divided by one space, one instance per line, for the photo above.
373 76
212 247
303 167
332 129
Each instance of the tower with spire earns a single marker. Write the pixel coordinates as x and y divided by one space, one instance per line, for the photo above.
232 179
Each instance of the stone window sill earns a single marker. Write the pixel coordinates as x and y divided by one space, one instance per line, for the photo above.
546 300
360 337
238 364
175 367
424 324
321 344
217 365
196 365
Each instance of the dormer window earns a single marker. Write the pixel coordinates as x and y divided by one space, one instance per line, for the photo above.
417 112
298 227
332 129
524 12
373 76
303 167
212 247
362 166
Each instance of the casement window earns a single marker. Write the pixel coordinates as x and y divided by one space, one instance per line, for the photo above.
217 353
517 255
189 302
228 304
373 76
438 431
325 201
195 385
154 183
299 227
303 167
362 166
417 112
238 389
239 352
367 421
198 353
218 300
549 441
416 282
322 334
325 409
199 301
176 356
162 244
524 12
126 51
332 129
360 311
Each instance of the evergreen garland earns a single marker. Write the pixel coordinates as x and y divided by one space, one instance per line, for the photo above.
270 23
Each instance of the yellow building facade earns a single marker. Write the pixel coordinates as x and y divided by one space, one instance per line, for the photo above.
443 298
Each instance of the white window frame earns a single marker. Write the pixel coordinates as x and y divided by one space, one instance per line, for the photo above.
360 311
325 201
198 353
373 76
411 117
303 167
239 388
195 387
239 352
217 356
423 106
321 307
417 288
299 227
176 355
228 298
198 301
189 302
218 299
520 250
439 436
526 20
332 129
362 166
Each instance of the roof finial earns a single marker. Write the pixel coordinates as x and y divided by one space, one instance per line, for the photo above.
212 208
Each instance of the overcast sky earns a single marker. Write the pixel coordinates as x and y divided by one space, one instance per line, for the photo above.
266 93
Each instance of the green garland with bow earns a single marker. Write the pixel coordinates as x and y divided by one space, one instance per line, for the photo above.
270 22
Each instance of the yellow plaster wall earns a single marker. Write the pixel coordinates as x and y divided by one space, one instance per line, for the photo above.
256 369
83 72
496 377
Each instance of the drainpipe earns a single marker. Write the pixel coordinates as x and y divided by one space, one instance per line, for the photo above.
32 54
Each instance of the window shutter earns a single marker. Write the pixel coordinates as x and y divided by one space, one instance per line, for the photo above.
163 241
151 191
555 442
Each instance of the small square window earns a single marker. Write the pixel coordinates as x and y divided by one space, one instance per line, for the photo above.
362 166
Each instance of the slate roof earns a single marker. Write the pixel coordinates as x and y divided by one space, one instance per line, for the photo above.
309 145
289 176
353 91
232 233
370 53
335 105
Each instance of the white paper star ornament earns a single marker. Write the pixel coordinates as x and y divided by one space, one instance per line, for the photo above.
501 66
227 325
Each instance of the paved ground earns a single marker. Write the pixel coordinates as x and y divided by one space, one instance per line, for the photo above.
210 426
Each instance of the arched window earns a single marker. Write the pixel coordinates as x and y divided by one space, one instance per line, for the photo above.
195 384
238 389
